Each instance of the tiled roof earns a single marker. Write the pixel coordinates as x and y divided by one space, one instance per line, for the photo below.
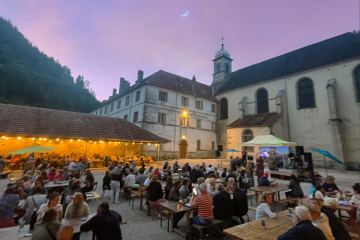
167 80
257 120
32 121
336 49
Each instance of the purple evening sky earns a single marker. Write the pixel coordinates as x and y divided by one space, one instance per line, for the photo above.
106 40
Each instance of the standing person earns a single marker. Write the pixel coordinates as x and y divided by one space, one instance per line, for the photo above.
2 164
105 225
30 162
244 158
230 175
263 209
203 167
53 203
72 166
89 181
115 184
33 202
129 182
259 169
195 174
295 187
46 229
80 167
107 181
304 229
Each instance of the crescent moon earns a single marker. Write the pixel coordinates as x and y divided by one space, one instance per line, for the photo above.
185 14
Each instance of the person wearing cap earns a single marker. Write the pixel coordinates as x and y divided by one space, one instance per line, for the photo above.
329 186
264 181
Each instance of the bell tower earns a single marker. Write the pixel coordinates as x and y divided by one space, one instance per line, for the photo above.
222 64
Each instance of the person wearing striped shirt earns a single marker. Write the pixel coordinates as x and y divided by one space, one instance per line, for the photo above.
204 203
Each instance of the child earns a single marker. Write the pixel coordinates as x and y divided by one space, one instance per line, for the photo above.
52 174
223 174
66 172
60 176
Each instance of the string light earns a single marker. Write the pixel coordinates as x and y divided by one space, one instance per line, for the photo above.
3 136
61 142
148 143
125 143
19 138
95 142
82 140
110 141
49 141
6 138
57 139
70 140
40 139
33 138
44 139
141 143
90 141
78 140
133 143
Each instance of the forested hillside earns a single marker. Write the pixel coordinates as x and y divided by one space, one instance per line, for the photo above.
30 77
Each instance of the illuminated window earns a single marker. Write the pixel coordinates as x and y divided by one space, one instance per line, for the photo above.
184 121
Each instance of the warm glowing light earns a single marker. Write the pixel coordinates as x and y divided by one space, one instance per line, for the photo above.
82 140
19 138
40 139
6 138
44 139
70 140
141 143
133 143
33 138
185 113
3 136
57 139
49 141
125 143
61 141
155 144
90 141
148 143
95 142
110 141
183 137
78 140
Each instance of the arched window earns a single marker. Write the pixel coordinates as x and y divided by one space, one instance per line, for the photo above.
357 83
262 101
217 67
306 95
227 67
223 108
247 135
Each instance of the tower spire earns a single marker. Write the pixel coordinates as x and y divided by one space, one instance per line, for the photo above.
222 41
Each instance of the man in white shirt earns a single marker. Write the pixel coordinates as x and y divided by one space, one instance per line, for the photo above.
130 179
149 170
72 166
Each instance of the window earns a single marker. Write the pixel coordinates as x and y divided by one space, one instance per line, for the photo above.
136 115
184 121
137 96
198 145
357 82
213 145
247 135
162 118
118 104
163 96
198 123
126 117
185 101
199 105
262 101
306 95
96 113
223 108
217 67
127 100
227 67
100 112
105 111
213 126
112 107
213 108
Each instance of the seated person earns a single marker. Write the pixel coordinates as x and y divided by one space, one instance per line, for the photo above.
166 164
263 209
148 179
65 232
176 167
44 177
229 185
217 174
60 176
52 174
39 183
66 172
319 219
264 181
80 166
8 203
231 174
296 191
149 170
210 169
53 203
222 204
155 193
330 187
142 168
27 182
239 202
78 208
89 181
304 229
157 173
223 174
169 185
355 199
105 225
46 229
184 191
200 180
185 170
19 189
33 202
211 187
204 203
141 178
68 194
317 194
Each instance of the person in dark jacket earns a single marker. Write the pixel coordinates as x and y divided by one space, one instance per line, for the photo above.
239 202
337 228
231 174
264 181
155 193
222 204
196 173
105 225
165 165
296 190
304 230
175 196
176 167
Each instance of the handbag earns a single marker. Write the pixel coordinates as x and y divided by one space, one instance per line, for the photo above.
34 215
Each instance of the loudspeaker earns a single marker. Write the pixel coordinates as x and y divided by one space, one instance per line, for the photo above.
299 150
220 148
217 153
308 157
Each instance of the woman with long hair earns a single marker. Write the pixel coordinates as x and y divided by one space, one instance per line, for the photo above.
168 187
263 210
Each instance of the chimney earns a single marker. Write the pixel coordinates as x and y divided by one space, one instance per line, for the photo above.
114 91
177 83
193 85
124 85
140 76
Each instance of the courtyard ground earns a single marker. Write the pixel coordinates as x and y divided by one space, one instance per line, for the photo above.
141 227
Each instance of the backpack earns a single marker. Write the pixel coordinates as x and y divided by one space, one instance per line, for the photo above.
34 215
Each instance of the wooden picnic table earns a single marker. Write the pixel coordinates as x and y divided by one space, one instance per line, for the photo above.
90 197
351 210
10 233
53 184
175 207
76 222
220 180
275 189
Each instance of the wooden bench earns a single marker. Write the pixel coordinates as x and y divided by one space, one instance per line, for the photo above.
282 175
252 208
292 199
201 228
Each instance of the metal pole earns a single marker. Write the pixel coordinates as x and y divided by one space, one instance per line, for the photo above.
325 166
